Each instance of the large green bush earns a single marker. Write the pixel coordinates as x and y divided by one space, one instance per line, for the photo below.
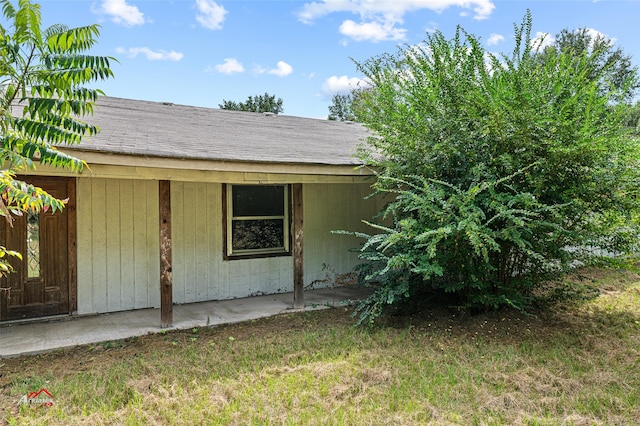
501 171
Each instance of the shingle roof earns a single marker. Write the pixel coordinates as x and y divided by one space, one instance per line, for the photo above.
155 129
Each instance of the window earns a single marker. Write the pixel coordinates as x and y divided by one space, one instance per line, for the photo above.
33 244
257 221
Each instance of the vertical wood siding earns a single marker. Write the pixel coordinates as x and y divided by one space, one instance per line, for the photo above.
199 271
118 263
332 207
118 243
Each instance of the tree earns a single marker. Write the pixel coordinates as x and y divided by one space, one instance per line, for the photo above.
258 103
502 172
340 108
344 107
607 62
42 100
633 119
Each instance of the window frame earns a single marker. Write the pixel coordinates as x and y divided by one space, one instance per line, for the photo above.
227 202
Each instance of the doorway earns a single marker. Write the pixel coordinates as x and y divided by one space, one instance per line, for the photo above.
43 282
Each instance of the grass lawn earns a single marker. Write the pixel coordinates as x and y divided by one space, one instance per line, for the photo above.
574 364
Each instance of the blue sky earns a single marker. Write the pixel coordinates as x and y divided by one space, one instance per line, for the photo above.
200 52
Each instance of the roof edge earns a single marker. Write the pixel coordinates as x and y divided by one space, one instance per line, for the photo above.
238 166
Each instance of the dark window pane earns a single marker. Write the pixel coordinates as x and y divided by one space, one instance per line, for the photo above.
258 234
258 200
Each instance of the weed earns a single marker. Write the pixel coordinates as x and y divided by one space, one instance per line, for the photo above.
574 364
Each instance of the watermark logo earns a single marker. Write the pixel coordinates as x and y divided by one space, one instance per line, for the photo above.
41 397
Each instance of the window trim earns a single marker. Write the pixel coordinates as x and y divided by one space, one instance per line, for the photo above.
228 218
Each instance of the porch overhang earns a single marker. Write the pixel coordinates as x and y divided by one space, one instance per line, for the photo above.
122 166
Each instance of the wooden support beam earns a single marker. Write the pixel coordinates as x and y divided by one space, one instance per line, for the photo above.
72 245
298 240
166 275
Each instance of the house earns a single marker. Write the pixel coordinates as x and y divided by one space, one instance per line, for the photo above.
182 204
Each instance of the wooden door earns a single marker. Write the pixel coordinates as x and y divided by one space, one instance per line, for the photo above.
43 282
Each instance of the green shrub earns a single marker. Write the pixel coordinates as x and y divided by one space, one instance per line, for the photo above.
504 171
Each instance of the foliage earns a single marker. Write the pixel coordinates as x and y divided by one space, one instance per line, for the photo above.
258 103
42 98
340 108
632 119
344 107
607 62
504 170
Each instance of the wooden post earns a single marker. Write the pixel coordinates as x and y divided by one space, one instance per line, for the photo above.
166 276
298 234
72 245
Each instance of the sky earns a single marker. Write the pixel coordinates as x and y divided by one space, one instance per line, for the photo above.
201 52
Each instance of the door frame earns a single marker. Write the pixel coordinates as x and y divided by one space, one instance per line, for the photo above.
72 230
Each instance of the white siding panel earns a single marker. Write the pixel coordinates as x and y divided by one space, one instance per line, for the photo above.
190 230
219 278
152 222
190 240
213 203
177 237
99 246
141 262
85 267
201 268
332 207
127 257
114 246
118 245
251 277
178 254
200 272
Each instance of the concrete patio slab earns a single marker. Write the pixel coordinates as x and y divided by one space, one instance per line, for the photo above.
63 332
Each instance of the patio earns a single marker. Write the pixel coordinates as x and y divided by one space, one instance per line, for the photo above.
26 338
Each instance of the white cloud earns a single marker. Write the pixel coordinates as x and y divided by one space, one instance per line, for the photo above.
282 69
595 34
373 31
343 85
432 27
158 55
378 19
121 12
210 15
542 40
230 66
495 39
